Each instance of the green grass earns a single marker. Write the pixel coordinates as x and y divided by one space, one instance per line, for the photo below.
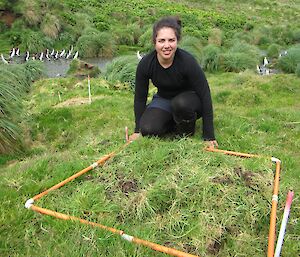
168 191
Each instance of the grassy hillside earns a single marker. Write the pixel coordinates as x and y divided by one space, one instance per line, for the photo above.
169 191
35 25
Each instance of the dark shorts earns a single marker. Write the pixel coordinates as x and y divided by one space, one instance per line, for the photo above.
161 103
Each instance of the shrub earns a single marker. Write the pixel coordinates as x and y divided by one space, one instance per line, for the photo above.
122 69
210 59
289 62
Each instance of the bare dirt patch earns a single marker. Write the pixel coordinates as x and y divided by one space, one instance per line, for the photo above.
77 101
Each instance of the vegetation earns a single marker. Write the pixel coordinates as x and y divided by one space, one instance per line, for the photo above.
82 69
14 86
169 191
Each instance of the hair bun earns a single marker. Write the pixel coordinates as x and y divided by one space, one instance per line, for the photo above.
178 20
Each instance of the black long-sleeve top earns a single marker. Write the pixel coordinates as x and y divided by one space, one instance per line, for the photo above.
184 74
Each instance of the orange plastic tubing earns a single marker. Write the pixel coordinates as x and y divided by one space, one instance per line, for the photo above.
135 240
62 183
231 152
272 231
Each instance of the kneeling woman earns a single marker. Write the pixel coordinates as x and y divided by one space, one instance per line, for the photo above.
183 93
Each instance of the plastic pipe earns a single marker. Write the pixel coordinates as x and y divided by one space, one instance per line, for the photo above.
129 238
92 166
272 230
210 149
285 218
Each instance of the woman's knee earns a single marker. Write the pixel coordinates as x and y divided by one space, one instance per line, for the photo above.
185 101
155 122
151 129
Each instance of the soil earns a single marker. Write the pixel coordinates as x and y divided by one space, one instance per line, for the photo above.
7 17
76 101
128 186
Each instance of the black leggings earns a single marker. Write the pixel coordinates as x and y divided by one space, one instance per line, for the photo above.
186 108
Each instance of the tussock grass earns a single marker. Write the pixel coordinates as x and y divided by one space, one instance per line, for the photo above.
211 58
14 84
169 190
193 45
51 26
122 69
94 43
289 62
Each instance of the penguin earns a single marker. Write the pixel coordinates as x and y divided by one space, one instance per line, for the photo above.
75 55
138 55
12 53
26 58
62 53
17 51
41 56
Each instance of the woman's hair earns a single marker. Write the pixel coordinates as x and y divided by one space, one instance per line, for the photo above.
169 22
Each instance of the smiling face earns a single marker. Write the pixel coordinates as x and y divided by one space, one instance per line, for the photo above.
166 45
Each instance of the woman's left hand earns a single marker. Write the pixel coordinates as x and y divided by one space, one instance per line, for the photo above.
212 144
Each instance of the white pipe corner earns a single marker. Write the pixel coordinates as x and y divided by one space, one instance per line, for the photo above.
275 160
28 203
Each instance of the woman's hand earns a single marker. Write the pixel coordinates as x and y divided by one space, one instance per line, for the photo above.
211 144
134 136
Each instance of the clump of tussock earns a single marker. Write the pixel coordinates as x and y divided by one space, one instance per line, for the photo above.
14 84
122 69
94 43
210 59
34 41
239 57
289 62
192 45
51 26
32 12
215 37
145 40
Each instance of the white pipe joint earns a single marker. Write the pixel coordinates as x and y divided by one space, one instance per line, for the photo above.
94 165
275 160
127 237
275 198
28 203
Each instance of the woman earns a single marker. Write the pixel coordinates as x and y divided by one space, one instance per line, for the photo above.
183 93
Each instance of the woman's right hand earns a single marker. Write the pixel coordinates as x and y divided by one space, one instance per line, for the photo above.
134 136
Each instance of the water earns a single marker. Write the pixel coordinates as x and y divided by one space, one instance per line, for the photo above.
59 68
